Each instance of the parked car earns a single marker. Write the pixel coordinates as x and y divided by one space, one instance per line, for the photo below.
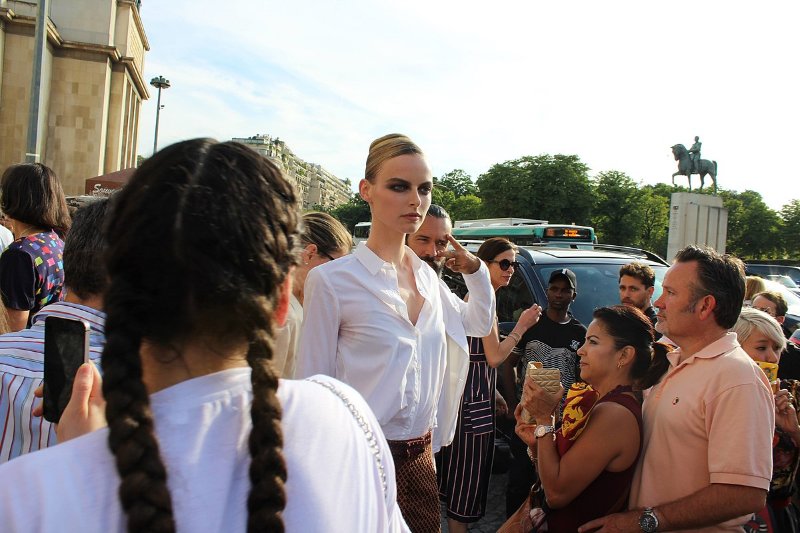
795 338
597 272
764 270
786 281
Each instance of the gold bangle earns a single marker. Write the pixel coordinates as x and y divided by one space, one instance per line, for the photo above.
516 336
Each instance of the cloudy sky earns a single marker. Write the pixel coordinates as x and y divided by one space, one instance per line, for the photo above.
478 83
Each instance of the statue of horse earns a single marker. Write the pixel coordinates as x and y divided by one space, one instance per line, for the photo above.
704 166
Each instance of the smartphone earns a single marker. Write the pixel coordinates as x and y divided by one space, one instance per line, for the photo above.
66 348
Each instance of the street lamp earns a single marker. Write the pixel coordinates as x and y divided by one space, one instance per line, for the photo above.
159 83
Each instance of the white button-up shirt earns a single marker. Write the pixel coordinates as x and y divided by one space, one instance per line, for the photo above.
357 329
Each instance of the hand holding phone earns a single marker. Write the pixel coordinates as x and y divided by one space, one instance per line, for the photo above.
66 348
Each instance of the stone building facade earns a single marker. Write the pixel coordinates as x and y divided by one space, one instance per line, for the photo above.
92 86
316 185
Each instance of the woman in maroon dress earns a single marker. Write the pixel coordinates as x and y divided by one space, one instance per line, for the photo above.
586 463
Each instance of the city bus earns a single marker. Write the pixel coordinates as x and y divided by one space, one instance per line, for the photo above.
361 232
525 235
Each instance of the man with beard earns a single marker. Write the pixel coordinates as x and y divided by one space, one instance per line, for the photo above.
636 285
430 243
430 240
694 474
554 342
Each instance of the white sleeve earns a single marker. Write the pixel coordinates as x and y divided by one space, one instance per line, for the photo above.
319 337
478 313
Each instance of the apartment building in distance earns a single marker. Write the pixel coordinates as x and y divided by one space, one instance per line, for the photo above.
316 185
91 87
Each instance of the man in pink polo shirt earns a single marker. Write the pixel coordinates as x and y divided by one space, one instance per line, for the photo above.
708 424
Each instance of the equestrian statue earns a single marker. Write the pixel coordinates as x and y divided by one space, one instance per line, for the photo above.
689 163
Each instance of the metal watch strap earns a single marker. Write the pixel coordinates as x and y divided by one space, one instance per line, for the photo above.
648 521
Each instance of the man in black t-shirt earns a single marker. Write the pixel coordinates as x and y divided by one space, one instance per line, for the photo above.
554 342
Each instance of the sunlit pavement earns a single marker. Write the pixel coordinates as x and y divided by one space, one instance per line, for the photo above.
495 507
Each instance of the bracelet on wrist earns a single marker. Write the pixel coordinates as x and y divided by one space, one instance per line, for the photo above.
516 336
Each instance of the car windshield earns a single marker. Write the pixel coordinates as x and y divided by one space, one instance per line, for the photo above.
598 286
786 281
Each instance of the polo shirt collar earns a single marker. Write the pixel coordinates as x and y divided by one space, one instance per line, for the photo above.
724 344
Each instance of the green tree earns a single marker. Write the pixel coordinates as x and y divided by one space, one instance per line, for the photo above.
354 211
790 229
458 182
443 197
753 228
618 214
555 188
655 221
467 207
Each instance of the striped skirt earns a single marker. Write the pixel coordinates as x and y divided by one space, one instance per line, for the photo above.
465 466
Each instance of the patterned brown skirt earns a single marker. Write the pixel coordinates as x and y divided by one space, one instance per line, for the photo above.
417 493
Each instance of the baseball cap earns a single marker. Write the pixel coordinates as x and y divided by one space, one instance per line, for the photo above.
567 273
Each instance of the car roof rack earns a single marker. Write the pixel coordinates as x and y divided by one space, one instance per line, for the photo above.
630 250
633 251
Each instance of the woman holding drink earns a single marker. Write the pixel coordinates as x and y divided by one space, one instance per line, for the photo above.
586 464
761 337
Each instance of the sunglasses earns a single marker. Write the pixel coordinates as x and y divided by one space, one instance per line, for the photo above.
767 310
505 264
324 254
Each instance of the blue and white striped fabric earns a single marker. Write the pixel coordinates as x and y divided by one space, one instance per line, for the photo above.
21 372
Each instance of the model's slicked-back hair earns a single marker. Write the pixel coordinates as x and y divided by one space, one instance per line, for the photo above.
437 211
328 234
32 194
385 148
200 241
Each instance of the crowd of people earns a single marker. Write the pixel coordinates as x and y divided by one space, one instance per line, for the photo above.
249 372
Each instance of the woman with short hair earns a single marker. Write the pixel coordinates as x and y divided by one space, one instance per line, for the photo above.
31 267
762 338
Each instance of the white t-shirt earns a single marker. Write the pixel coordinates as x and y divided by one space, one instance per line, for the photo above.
334 480
6 238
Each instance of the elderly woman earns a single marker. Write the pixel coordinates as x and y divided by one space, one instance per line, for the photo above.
761 337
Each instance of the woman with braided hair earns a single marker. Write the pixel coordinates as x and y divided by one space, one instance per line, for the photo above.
202 435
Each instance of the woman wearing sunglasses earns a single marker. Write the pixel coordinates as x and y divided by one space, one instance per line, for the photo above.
323 239
465 465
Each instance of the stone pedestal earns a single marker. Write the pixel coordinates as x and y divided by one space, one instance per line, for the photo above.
696 219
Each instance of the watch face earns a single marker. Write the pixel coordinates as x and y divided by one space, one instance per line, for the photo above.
648 522
541 431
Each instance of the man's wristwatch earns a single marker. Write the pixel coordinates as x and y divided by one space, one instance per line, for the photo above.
648 521
541 431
